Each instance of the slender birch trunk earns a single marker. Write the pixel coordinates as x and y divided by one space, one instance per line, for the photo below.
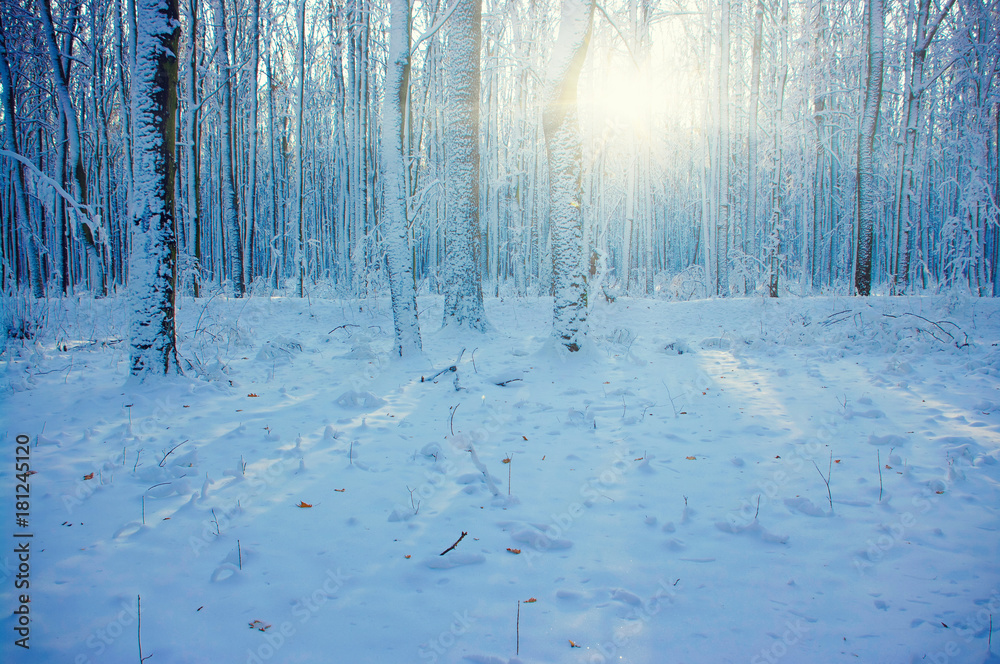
866 169
399 259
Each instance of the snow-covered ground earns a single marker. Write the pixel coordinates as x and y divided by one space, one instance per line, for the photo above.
660 496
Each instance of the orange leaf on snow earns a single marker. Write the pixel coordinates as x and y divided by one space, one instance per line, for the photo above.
836 460
251 395
89 476
340 490
513 550
691 458
407 556
303 503
525 437
572 645
530 600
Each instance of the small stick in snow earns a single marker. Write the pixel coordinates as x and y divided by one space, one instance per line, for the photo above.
239 552
826 479
455 544
879 456
451 419
504 383
518 628
758 509
171 450
138 627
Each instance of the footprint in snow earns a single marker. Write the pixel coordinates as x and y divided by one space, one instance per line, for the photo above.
753 528
454 559
540 540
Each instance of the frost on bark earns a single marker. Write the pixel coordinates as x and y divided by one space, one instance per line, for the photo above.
399 259
24 224
152 274
463 303
230 207
866 170
563 145
91 230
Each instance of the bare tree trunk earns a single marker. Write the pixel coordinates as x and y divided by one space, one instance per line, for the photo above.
908 207
565 153
23 212
399 259
866 170
230 207
464 293
89 229
153 258
300 67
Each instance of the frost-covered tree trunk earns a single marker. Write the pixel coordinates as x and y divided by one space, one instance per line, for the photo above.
866 169
563 145
23 215
300 69
89 227
230 207
399 259
193 144
463 302
152 269
908 207
251 203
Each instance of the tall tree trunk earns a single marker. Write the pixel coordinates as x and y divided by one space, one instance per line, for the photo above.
89 229
23 213
565 153
751 219
193 144
230 207
866 170
153 258
725 149
774 241
300 68
251 202
908 206
463 301
399 259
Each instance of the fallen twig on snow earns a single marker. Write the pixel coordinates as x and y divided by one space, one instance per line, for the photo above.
455 544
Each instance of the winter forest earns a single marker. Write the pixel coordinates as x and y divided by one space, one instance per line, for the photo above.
500 331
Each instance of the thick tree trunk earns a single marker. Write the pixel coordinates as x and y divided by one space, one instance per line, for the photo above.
463 302
866 170
565 153
153 259
399 259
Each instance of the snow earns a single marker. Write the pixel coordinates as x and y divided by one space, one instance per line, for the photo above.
666 485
